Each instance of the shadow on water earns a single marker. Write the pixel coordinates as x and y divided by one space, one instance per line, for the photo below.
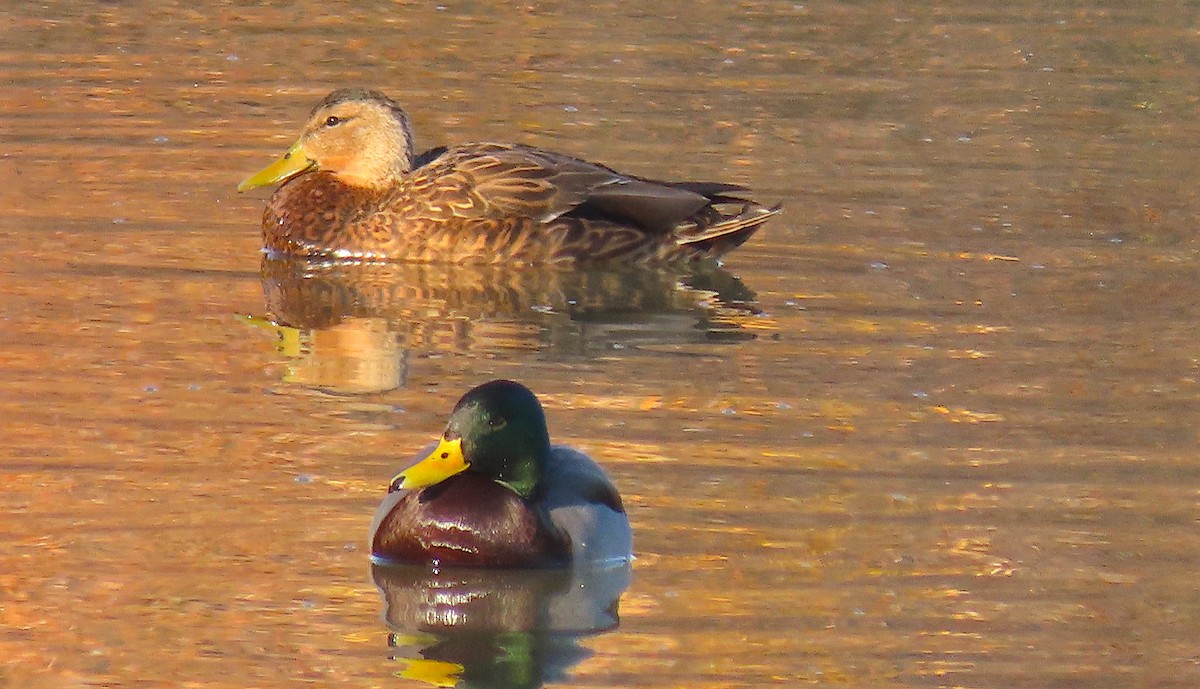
350 327
495 628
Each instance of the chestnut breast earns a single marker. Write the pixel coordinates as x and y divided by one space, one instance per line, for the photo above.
314 214
466 520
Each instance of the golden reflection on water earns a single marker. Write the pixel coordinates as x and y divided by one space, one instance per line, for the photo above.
350 328
912 461
498 628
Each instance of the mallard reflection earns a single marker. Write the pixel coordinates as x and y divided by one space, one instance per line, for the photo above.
347 326
473 627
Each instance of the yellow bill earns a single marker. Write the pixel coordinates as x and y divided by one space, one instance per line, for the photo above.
445 461
435 673
289 165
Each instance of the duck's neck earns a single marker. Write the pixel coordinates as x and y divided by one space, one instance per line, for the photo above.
522 473
373 174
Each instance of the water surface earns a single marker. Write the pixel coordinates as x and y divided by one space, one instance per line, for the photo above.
935 426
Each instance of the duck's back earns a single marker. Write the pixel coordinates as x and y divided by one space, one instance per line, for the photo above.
582 502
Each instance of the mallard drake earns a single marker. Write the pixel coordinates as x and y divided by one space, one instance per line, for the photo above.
352 188
495 492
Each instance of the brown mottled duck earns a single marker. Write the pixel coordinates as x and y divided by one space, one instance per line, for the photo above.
352 188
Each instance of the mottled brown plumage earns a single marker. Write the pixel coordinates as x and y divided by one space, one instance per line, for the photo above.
353 189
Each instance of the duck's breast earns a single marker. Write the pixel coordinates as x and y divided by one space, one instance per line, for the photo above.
464 520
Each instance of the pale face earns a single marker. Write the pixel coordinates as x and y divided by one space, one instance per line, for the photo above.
362 143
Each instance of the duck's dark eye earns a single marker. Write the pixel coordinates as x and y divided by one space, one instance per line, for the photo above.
497 422
333 121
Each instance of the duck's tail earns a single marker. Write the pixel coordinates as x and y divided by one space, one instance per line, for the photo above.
716 229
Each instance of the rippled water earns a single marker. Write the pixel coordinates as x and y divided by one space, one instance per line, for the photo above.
935 426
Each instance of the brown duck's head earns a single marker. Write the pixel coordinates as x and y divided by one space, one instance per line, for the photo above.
498 431
360 136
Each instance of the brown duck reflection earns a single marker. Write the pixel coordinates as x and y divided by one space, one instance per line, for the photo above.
476 627
350 326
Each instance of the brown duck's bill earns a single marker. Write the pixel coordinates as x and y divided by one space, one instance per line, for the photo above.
445 461
289 165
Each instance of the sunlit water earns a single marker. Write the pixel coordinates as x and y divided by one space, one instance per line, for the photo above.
935 426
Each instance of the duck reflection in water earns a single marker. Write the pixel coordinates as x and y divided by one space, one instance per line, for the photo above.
349 327
525 547
476 627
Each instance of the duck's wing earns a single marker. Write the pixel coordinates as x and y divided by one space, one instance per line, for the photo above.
489 180
429 156
581 502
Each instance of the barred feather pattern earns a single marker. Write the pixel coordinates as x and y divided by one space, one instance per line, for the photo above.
490 203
